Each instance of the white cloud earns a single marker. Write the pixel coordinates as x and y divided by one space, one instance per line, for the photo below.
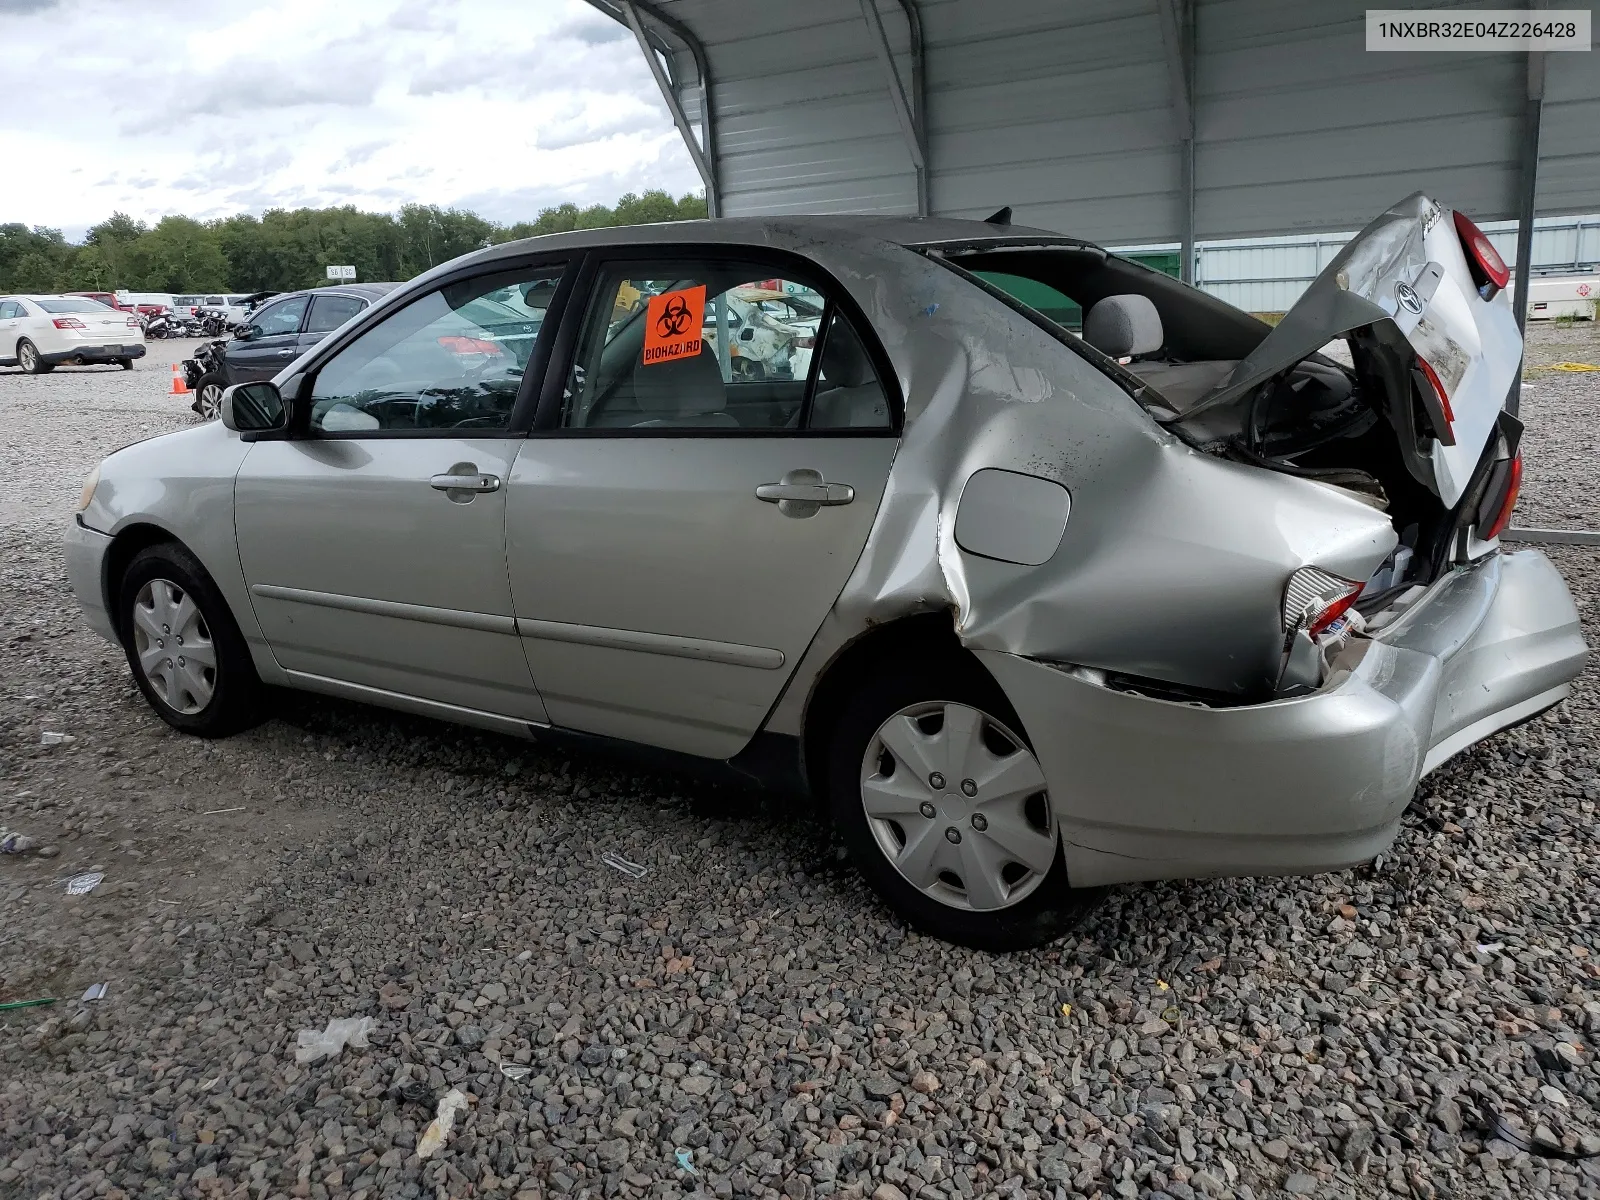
160 107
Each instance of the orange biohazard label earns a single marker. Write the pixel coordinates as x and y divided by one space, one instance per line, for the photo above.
672 325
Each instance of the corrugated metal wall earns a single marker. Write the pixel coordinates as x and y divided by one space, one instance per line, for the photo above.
1269 274
1062 109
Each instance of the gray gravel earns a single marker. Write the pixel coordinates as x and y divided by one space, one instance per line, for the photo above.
746 1002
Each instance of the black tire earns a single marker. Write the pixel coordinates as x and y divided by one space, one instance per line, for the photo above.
30 360
1047 912
235 700
205 403
125 363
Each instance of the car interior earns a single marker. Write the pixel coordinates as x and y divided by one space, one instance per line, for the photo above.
614 387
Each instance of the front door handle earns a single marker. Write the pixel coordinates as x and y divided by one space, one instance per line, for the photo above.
802 491
285 353
463 481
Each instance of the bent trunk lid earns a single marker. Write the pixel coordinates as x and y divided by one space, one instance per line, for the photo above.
1401 290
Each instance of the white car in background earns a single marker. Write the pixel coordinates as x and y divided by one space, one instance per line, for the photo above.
39 333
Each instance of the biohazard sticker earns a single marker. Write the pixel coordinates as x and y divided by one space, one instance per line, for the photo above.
672 325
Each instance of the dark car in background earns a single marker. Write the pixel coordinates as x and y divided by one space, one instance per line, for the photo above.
275 335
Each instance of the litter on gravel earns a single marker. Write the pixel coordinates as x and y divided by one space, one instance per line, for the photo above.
82 885
11 1004
17 843
314 1044
95 991
618 863
438 1131
50 738
514 1073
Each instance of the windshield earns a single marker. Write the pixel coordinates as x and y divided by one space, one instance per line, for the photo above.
74 304
188 299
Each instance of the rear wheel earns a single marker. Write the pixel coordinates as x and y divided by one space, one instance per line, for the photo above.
187 654
943 805
29 359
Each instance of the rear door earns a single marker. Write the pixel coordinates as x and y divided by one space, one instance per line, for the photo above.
271 341
676 532
328 312
1404 293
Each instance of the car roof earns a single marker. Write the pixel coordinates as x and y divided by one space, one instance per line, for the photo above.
365 291
779 232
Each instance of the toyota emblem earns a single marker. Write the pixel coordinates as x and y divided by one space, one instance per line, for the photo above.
1408 298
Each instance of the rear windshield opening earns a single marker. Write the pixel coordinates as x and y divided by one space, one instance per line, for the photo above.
75 305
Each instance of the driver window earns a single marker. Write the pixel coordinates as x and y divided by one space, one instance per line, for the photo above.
452 360
283 317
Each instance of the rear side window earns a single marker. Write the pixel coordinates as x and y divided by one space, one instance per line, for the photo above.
712 347
9 309
330 312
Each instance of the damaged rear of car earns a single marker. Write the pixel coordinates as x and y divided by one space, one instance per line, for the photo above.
1270 615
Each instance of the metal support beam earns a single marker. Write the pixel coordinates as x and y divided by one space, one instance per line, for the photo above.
897 93
1177 43
671 97
919 98
1532 115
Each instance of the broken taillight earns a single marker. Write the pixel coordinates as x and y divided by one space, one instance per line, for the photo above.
1513 487
1315 599
1489 270
1436 402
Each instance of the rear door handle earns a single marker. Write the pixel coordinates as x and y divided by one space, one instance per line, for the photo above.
285 353
802 491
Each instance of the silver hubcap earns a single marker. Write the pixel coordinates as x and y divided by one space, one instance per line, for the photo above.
174 647
27 357
210 400
957 803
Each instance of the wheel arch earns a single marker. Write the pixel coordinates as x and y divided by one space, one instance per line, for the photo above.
878 648
125 546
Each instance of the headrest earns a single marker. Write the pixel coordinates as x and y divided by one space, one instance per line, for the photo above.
680 386
844 362
1122 325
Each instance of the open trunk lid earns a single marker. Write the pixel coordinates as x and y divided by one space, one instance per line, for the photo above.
1441 355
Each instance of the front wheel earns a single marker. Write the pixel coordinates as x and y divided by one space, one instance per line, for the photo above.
208 396
30 360
945 809
187 654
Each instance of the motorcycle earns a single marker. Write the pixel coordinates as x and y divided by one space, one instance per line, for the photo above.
212 324
160 325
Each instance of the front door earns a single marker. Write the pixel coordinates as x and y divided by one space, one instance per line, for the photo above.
373 541
679 529
269 343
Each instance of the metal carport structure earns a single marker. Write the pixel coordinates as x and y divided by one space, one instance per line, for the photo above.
1123 121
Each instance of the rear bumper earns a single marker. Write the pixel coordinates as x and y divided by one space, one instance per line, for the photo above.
1149 789
95 353
85 561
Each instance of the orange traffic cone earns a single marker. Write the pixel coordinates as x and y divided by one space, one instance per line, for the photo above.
179 387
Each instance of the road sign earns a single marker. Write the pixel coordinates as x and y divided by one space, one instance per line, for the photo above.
346 273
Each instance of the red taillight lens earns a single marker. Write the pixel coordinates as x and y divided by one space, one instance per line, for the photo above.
68 323
1513 488
1315 599
132 324
805 343
1438 388
458 344
1480 250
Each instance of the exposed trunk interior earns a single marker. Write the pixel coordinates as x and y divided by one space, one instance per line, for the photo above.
1348 416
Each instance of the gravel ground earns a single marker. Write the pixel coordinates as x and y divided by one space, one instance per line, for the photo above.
745 1002
1562 445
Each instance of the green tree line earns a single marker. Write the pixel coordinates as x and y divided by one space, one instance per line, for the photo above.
285 249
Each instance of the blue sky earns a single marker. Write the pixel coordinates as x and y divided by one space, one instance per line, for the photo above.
501 106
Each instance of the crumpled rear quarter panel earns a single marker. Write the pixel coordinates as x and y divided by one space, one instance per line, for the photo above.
1172 564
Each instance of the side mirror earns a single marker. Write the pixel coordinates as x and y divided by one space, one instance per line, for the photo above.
254 408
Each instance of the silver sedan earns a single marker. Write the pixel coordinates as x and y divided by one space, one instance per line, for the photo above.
1042 571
